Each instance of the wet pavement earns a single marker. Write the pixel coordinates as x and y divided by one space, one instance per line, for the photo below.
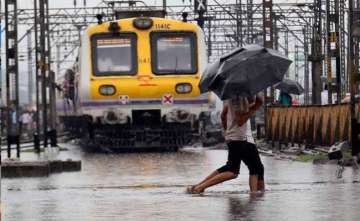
151 186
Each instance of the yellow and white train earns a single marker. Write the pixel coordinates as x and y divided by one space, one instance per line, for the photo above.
136 85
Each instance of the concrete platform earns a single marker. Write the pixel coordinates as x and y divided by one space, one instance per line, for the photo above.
11 169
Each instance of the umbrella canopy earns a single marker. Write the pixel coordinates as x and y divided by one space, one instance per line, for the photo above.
208 76
290 87
244 72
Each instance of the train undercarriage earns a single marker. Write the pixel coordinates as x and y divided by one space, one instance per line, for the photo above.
130 137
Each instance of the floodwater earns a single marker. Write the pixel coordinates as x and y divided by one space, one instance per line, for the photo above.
151 186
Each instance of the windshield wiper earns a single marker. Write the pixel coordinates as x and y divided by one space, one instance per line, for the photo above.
176 65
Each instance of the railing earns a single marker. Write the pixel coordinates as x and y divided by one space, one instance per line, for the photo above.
316 125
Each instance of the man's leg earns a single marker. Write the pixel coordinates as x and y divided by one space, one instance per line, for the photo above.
208 177
260 171
256 169
227 172
219 178
253 183
261 185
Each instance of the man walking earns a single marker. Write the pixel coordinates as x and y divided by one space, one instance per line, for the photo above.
235 120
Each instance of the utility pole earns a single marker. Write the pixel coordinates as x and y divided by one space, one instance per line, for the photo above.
286 45
58 59
37 134
296 63
51 79
164 6
1 98
276 31
344 82
44 66
12 76
268 42
209 40
239 24
250 22
30 73
353 71
316 56
333 50
44 73
306 65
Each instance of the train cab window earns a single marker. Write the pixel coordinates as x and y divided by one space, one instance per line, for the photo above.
114 54
173 53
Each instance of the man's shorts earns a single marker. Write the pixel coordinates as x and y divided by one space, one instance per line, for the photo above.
243 151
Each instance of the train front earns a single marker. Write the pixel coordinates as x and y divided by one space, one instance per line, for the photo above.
138 84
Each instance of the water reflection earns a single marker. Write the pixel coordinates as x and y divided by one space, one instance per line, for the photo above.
239 206
151 187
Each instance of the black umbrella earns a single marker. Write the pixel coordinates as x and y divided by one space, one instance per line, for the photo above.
244 72
208 76
290 87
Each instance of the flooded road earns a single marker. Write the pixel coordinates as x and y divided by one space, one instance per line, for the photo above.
151 187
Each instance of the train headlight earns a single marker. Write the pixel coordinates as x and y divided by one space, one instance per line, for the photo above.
107 90
183 88
143 23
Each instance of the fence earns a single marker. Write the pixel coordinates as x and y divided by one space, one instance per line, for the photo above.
317 125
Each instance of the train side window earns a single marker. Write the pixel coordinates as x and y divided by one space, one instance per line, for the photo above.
114 55
173 53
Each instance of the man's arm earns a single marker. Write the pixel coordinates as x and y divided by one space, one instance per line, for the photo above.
242 118
224 117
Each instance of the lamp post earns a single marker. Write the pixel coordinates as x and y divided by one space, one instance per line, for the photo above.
354 27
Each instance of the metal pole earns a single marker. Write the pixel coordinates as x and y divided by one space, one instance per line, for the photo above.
328 59
268 36
43 67
30 73
316 54
354 72
286 42
332 49
164 6
58 61
12 76
296 62
1 98
351 60
337 52
344 82
306 65
239 24
51 79
209 39
37 135
250 22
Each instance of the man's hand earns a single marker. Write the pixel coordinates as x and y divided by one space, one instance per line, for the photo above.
258 102
242 118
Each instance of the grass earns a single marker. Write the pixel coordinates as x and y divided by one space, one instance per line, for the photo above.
42 150
347 153
310 158
321 156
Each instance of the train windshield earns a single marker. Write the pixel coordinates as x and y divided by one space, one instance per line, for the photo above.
173 52
114 54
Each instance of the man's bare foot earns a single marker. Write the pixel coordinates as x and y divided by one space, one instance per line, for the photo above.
190 189
194 190
261 185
